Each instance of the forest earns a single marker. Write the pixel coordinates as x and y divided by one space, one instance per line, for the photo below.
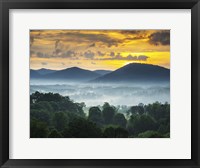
55 116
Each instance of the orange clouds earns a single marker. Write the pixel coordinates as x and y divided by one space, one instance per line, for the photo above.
98 49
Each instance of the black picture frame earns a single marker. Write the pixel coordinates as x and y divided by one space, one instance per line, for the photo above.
5 5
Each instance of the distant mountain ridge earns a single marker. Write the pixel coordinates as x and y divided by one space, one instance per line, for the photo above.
102 72
44 71
73 73
69 74
134 72
34 74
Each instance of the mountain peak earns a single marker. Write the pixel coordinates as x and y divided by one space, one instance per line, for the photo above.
142 64
137 72
44 71
41 69
73 74
74 68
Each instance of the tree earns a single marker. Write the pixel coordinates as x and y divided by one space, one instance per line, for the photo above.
108 113
164 125
58 102
133 110
138 124
56 116
115 132
120 120
158 110
145 123
60 121
54 134
95 115
150 134
38 129
105 105
82 128
140 108
43 105
70 106
109 132
121 132
137 109
41 115
54 105
37 96
131 123
67 133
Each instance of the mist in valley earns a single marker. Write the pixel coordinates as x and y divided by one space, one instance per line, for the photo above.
94 94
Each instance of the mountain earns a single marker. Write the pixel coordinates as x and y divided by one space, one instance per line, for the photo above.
102 72
34 74
72 74
136 72
44 71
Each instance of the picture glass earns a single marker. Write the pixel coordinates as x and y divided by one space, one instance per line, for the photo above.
100 83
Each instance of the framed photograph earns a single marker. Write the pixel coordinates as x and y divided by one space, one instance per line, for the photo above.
99 83
109 88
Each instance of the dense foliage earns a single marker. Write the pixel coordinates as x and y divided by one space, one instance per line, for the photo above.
56 116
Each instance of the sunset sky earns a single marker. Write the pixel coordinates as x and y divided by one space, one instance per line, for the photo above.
98 49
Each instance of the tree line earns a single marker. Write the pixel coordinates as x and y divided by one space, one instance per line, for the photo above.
55 116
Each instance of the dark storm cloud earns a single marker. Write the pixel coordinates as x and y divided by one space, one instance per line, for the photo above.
57 44
78 37
42 55
139 37
61 51
160 38
135 32
118 55
89 37
128 58
57 54
57 51
68 54
142 58
112 54
100 53
59 47
89 54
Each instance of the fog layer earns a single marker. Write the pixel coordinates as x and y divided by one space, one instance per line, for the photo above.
116 94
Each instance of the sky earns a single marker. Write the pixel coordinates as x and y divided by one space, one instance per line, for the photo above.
98 49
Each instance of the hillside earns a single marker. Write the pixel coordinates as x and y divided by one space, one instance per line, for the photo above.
74 74
102 72
44 71
136 72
